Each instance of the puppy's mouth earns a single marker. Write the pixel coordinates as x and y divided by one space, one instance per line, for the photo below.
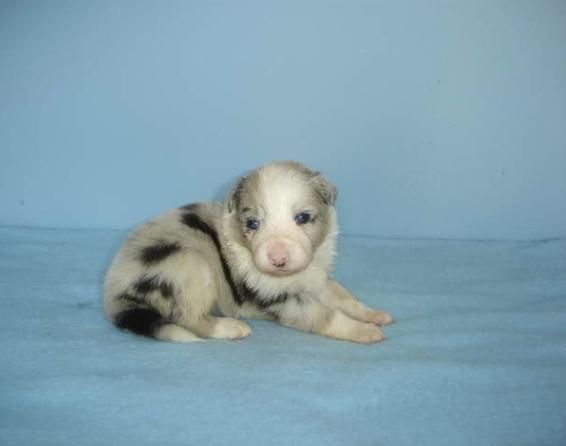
281 272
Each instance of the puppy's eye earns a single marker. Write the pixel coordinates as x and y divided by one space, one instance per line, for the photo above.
252 224
302 218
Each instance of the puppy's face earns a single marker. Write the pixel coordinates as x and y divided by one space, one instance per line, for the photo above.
283 212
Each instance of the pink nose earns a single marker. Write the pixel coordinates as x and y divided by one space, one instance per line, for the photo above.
278 255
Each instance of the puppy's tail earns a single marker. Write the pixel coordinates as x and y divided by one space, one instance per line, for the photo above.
148 322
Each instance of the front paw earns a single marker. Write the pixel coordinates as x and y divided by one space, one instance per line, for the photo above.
228 328
367 334
377 317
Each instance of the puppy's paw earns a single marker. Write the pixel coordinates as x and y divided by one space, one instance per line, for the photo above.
377 317
228 328
367 334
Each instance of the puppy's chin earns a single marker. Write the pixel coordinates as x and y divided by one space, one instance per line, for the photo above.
279 272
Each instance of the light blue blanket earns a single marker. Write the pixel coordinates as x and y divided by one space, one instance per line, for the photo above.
477 355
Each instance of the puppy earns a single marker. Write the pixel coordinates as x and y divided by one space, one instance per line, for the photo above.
266 253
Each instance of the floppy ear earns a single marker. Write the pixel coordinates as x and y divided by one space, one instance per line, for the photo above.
235 195
325 189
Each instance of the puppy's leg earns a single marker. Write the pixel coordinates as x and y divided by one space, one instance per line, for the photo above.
313 316
221 328
339 297
198 296
175 333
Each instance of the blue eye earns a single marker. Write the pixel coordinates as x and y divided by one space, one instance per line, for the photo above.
252 224
302 218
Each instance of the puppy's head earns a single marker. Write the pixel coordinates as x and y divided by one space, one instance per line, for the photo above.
282 213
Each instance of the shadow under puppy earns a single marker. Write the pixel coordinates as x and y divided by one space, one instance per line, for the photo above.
266 253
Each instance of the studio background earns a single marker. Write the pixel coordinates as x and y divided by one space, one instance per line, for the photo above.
434 119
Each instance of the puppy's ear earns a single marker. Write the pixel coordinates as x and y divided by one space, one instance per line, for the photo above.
235 195
325 189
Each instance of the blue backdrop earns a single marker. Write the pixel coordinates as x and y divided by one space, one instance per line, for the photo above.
437 118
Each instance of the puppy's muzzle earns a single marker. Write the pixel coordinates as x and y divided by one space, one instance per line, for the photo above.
278 254
281 256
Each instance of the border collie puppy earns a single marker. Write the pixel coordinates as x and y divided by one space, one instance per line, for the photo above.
265 253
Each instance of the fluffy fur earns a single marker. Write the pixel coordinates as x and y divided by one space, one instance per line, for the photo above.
266 253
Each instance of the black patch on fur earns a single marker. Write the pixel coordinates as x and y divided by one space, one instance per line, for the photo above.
272 314
254 297
141 321
131 298
194 221
158 252
280 299
147 284
193 207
